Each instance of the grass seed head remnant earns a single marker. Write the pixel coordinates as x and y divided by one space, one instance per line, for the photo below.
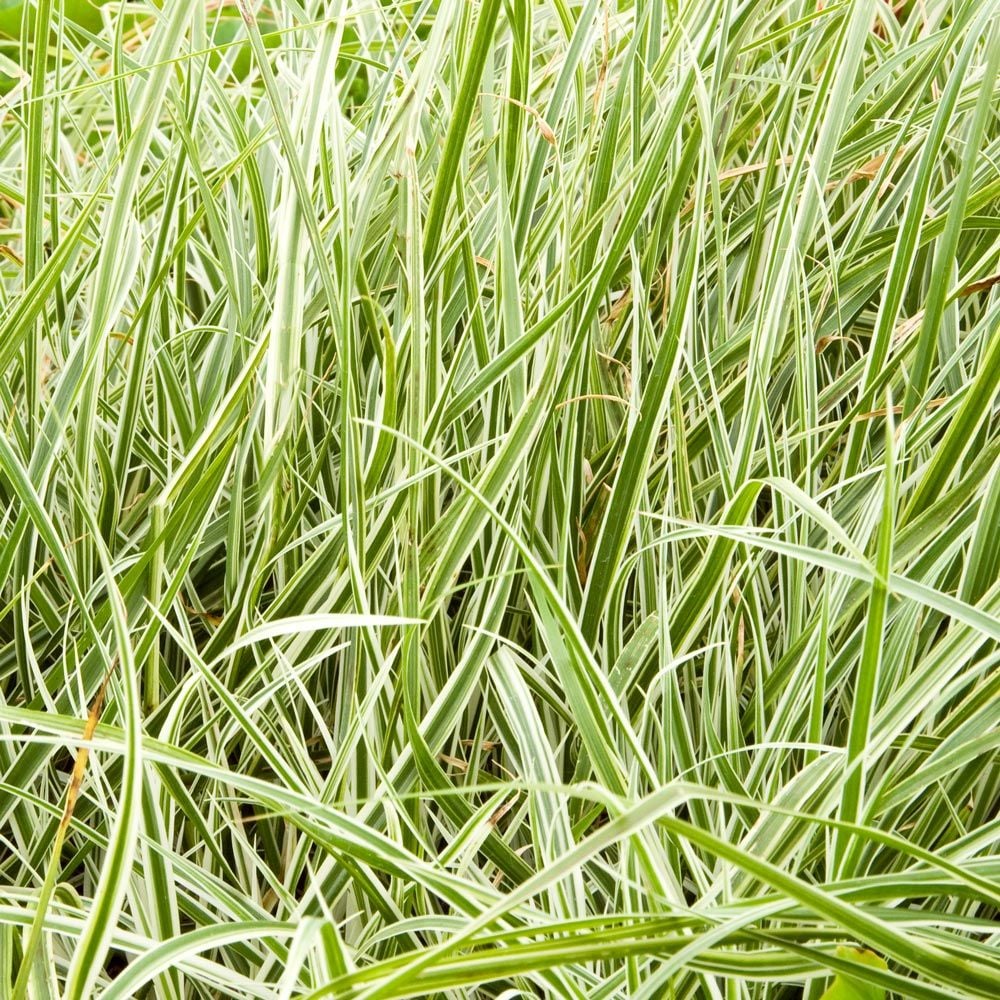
499 498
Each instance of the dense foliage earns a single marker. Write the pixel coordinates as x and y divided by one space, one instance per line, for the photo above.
500 499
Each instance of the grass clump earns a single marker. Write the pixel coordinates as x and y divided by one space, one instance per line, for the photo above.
500 499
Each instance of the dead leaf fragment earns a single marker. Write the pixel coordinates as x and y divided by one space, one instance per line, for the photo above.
502 811
897 410
9 253
980 286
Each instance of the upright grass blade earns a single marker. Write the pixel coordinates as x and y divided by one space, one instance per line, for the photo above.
866 684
